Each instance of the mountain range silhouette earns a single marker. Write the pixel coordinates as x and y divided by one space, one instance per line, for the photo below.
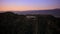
54 12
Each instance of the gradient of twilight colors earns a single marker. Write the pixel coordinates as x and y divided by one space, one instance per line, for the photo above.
22 5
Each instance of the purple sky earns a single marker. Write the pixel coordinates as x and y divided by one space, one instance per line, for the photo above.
28 4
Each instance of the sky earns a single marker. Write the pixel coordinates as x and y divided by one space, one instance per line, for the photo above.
22 5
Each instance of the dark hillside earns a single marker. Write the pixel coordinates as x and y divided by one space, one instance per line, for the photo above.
11 23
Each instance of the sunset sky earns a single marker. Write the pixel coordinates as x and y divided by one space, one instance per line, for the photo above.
21 5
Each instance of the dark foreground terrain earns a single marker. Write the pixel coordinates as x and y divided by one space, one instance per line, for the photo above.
11 23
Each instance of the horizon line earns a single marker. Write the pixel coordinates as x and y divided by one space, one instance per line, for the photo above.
27 10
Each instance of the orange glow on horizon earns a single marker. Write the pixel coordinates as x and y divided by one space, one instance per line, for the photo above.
22 8
14 7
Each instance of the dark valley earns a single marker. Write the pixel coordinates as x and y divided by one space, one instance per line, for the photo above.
12 23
